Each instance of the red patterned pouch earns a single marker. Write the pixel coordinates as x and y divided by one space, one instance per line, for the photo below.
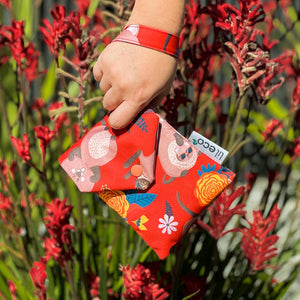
155 178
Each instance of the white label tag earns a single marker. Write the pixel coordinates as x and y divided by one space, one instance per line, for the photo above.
212 150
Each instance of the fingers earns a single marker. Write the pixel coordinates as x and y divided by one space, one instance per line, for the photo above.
98 75
112 98
127 88
105 85
124 114
97 71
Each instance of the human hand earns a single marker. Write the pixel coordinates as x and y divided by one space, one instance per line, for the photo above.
130 78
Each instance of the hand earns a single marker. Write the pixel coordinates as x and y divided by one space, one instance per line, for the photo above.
130 78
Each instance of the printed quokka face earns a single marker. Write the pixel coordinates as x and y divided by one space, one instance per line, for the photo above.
83 163
178 155
148 173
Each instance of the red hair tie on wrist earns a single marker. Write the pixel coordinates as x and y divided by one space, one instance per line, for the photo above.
150 38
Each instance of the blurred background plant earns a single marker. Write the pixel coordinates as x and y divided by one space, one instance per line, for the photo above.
238 83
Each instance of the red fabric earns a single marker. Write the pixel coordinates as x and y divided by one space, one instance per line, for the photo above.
103 157
150 38
158 205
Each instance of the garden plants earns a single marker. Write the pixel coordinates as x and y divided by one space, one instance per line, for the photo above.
237 83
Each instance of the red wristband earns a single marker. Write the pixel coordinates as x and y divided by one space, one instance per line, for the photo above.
151 38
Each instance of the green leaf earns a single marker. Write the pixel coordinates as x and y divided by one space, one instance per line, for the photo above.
285 256
258 119
297 48
24 10
253 130
92 8
146 254
116 250
191 295
292 13
48 87
73 89
6 271
4 289
291 134
21 290
276 110
279 26
13 187
12 112
103 285
286 159
281 288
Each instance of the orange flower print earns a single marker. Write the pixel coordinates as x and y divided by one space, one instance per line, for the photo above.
116 200
209 186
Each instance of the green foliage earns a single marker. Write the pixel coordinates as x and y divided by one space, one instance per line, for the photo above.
261 139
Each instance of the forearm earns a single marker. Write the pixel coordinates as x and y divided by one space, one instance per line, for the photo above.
131 76
165 15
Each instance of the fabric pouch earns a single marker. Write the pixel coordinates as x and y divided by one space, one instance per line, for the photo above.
150 174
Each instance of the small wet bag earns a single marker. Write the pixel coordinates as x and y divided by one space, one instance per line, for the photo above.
155 178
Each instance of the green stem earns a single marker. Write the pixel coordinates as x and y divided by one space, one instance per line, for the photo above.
177 271
293 219
237 120
137 253
236 147
44 177
27 219
197 98
68 61
32 233
230 115
79 231
62 72
116 29
291 117
111 3
93 100
70 277
9 190
81 105
109 15
23 93
65 95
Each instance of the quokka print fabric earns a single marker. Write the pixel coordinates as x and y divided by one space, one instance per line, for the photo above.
150 174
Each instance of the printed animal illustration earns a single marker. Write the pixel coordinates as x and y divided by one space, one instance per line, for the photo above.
177 155
97 148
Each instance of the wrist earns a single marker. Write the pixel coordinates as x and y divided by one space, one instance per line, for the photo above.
148 37
167 15
173 28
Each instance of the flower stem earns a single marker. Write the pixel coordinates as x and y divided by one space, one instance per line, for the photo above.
198 96
20 165
241 104
81 105
62 72
23 93
70 277
79 232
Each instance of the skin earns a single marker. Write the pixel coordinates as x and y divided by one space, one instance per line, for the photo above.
132 76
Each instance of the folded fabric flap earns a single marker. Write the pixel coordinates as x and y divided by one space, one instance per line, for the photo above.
191 173
148 173
186 181
114 159
163 214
